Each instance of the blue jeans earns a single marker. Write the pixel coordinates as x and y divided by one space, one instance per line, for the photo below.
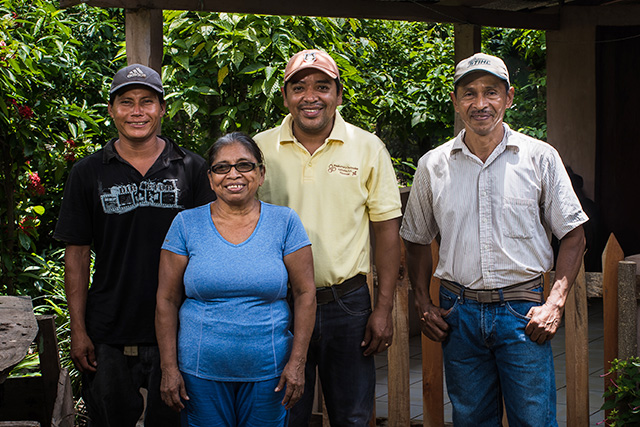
347 377
488 357
231 404
112 393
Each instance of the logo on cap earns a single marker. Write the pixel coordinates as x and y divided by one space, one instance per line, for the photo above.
136 72
475 62
309 57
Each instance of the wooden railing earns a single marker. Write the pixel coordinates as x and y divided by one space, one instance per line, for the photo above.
617 285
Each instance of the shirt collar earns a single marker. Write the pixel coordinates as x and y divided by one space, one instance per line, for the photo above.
507 141
338 133
171 151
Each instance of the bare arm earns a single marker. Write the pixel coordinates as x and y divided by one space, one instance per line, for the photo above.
545 319
77 259
168 301
300 268
379 333
420 267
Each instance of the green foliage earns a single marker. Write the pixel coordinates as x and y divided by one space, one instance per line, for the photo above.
622 397
224 72
49 84
524 52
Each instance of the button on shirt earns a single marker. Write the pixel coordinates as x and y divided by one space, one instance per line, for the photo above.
494 218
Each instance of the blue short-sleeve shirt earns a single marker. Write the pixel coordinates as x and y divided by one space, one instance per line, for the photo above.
234 323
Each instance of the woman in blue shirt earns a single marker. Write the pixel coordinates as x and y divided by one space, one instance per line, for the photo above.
227 352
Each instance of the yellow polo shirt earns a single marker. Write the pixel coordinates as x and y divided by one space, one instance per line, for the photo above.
346 183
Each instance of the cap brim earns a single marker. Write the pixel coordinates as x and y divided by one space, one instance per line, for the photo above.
150 86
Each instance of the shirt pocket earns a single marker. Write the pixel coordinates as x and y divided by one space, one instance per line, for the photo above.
519 217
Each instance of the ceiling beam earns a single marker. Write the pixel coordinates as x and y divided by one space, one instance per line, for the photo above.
395 10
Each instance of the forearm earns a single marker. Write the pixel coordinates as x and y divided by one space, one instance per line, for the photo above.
299 266
167 332
304 321
568 264
76 282
387 261
419 266
168 301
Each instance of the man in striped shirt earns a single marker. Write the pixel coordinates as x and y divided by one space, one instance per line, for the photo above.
493 196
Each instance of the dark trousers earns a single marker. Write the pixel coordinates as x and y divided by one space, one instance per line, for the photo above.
112 394
347 377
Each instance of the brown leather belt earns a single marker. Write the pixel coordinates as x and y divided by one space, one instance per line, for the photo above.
518 292
335 292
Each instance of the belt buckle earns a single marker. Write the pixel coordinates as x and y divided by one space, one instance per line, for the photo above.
484 297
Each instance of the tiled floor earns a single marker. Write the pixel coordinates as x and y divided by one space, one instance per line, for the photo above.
596 370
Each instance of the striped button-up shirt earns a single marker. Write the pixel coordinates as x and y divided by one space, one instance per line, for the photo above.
494 218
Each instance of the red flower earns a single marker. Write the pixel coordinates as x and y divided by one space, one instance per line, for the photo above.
26 112
35 185
70 143
70 156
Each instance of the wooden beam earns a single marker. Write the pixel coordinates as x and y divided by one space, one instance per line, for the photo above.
432 369
395 10
610 257
143 29
577 352
398 354
467 41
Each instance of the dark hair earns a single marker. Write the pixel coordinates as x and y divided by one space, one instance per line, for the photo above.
235 138
112 97
337 80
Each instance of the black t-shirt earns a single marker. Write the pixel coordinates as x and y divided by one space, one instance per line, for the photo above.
125 216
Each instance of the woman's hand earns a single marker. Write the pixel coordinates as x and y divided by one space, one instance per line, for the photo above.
172 389
292 380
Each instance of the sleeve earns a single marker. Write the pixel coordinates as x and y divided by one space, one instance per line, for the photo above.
383 200
419 224
296 237
562 210
76 213
175 240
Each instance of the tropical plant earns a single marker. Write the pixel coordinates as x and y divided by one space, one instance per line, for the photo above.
48 87
622 397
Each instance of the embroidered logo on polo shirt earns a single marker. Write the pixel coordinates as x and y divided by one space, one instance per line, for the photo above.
343 170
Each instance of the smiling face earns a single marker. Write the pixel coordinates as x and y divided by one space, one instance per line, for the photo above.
481 100
236 188
312 97
137 113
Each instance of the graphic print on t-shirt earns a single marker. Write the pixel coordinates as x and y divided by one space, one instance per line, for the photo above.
122 198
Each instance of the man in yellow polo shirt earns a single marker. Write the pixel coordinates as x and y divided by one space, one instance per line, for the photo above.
341 182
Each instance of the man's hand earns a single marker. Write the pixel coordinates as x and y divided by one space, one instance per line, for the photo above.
172 389
432 322
544 322
379 332
83 352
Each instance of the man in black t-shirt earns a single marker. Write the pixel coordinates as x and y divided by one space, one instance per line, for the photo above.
121 200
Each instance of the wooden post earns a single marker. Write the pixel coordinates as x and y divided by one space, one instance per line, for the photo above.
143 32
398 353
432 369
610 257
627 320
577 352
467 40
49 360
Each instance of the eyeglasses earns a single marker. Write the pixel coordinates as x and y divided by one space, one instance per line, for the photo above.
222 168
